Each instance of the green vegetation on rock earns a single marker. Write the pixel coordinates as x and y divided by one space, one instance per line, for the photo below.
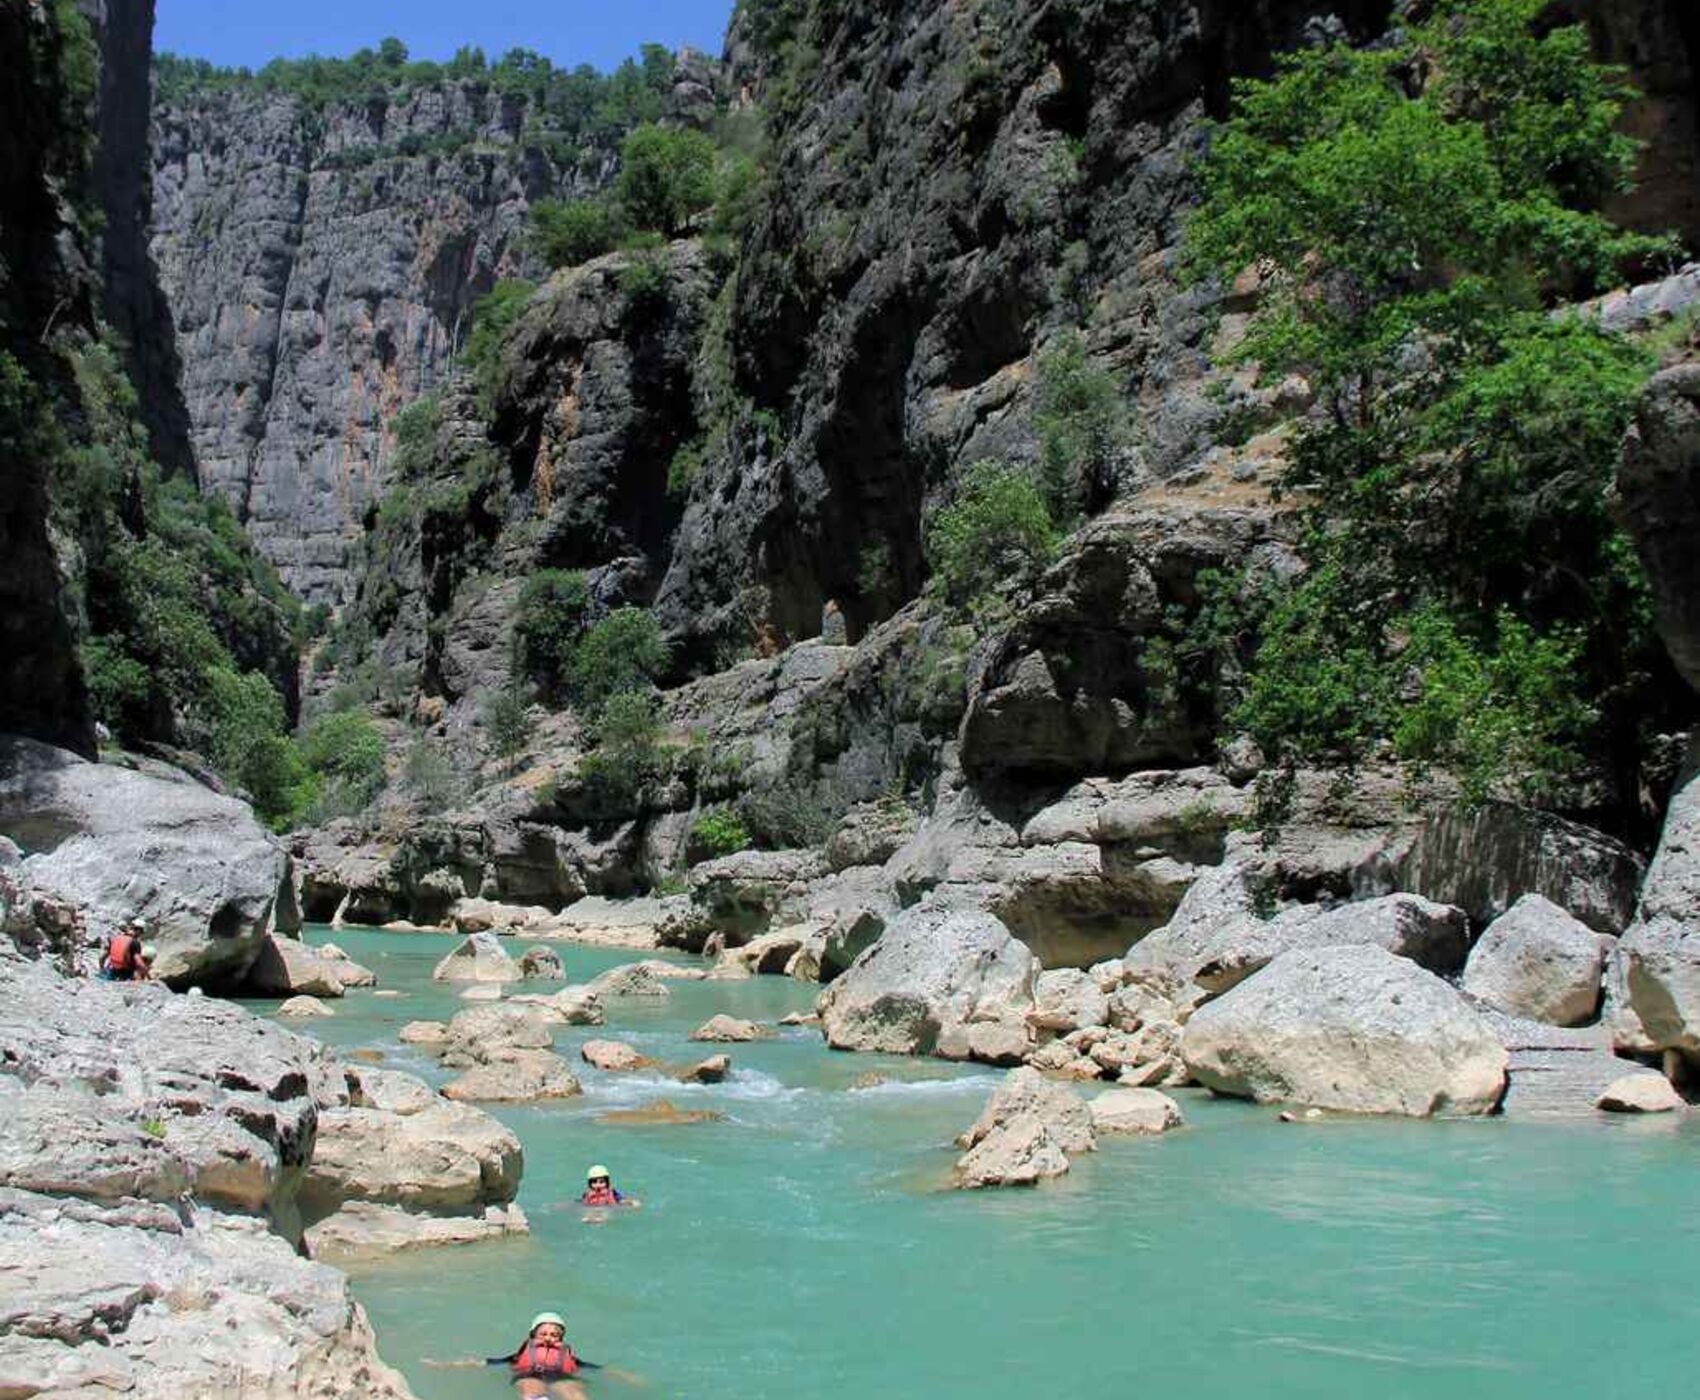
997 532
1461 556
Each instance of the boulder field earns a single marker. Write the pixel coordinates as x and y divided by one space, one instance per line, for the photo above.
173 1171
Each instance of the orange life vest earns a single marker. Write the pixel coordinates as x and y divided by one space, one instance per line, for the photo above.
601 1196
544 1361
124 954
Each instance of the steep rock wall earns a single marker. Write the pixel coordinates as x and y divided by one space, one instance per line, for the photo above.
320 265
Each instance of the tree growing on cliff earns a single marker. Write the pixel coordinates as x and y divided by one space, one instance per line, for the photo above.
1409 215
667 178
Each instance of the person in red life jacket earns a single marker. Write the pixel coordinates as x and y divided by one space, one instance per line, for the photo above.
545 1365
127 958
599 1190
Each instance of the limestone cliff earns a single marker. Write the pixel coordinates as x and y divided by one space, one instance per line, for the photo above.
321 260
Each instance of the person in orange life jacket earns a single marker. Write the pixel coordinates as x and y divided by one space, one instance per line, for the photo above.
545 1364
127 957
599 1190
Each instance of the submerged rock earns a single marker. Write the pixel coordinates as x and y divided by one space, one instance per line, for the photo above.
661 1113
1355 1029
729 1029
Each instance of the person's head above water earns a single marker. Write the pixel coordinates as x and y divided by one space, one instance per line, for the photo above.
550 1320
596 1174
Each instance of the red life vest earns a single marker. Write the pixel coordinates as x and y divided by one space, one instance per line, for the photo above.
600 1196
124 954
545 1361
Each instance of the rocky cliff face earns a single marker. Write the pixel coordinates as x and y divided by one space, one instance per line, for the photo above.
45 278
320 264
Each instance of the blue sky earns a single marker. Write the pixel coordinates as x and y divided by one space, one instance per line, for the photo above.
247 33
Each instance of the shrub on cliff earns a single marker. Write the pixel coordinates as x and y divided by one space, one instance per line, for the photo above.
716 832
621 654
569 232
996 531
628 754
496 314
552 610
346 750
667 178
1412 213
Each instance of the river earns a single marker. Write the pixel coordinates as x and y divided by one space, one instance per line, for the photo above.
804 1247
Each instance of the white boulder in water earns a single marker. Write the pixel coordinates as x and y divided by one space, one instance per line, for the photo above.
1355 1029
481 958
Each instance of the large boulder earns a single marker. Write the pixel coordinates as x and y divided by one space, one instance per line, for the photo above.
287 967
932 971
1219 936
1661 951
159 1302
628 980
481 958
1435 936
1355 1029
516 1076
449 1158
481 1034
1025 1133
121 1089
117 843
1485 858
1535 960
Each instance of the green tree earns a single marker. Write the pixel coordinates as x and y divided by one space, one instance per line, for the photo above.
623 653
553 607
1081 421
507 721
666 179
997 531
1455 484
346 749
569 232
251 746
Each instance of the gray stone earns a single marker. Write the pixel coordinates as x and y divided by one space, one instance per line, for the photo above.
932 970
450 1157
728 1029
481 958
363 1230
1024 1134
516 1076
1535 960
118 844
287 967
1134 1111
1355 1029
1641 1093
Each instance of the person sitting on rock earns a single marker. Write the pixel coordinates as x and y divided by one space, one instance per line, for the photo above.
599 1190
128 959
545 1364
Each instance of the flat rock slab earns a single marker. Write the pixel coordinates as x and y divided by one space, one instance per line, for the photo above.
728 1029
363 1230
1135 1111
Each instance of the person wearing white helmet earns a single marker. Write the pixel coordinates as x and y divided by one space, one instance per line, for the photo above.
599 1190
545 1364
128 958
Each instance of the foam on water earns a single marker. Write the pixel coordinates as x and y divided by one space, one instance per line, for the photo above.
807 1247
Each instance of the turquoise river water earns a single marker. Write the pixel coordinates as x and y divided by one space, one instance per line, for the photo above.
804 1247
